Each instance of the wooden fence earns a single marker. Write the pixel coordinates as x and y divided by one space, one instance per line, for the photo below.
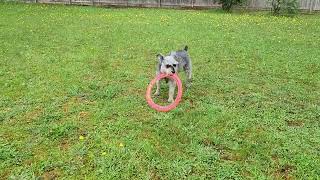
309 5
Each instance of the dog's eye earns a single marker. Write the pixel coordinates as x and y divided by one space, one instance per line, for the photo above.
167 66
174 65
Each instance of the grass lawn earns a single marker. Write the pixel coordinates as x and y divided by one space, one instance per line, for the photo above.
73 80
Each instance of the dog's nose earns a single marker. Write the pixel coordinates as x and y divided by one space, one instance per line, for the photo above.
173 71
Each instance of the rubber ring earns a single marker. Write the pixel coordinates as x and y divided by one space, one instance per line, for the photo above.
174 103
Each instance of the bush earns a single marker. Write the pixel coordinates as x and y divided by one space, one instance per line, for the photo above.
228 4
284 7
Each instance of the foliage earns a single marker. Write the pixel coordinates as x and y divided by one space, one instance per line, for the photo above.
284 6
228 4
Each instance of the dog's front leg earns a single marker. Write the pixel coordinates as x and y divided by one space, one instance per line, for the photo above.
172 87
157 93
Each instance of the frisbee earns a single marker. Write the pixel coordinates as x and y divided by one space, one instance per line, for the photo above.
174 103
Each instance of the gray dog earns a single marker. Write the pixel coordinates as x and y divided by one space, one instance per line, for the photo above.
174 62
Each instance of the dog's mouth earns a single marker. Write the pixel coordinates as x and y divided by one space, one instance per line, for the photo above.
170 69
170 72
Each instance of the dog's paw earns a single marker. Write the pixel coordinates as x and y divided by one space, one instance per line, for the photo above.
170 100
156 93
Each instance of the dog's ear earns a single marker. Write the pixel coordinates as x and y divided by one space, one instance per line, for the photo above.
160 57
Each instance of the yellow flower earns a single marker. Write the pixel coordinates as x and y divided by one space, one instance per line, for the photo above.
103 153
121 145
81 137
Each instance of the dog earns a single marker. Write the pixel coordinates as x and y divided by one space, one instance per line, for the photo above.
175 62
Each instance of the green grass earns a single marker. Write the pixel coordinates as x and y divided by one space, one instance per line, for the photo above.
73 80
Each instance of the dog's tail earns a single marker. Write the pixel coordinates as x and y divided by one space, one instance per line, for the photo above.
186 48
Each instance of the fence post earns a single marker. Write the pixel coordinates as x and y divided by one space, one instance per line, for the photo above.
159 3
192 3
313 5
310 6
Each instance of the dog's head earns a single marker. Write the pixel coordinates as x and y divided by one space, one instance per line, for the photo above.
168 64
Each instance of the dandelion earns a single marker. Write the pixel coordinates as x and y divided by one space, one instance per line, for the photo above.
121 145
81 137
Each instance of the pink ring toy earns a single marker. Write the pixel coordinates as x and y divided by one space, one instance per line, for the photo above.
174 103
